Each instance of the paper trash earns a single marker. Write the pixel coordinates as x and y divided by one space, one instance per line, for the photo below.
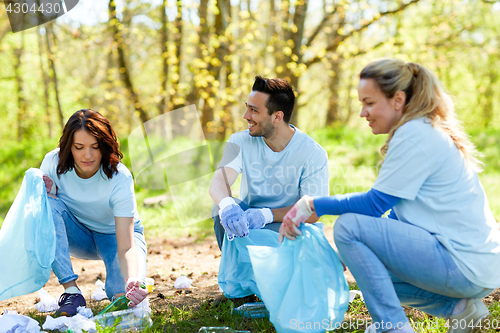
183 282
99 293
18 323
76 323
47 303
353 293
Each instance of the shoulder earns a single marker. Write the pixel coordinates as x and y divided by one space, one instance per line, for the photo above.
123 172
52 156
421 132
308 145
242 138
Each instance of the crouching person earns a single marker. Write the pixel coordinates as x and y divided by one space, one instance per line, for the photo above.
94 210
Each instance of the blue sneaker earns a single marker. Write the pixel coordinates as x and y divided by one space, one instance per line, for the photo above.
68 304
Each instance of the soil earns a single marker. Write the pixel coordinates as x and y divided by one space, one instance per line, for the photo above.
168 259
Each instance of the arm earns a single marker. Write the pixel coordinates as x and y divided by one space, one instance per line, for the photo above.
127 253
220 187
279 214
127 256
371 203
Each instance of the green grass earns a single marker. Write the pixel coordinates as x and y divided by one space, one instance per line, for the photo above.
186 320
353 163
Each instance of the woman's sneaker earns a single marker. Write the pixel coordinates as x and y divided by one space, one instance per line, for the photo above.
475 317
69 303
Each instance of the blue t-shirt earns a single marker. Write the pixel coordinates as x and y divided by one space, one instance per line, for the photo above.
442 195
97 200
277 179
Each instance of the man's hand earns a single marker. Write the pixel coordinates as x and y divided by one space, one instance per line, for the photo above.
232 219
298 214
257 218
134 291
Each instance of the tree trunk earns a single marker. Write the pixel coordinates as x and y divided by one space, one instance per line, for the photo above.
53 73
203 33
116 27
177 99
45 79
162 105
333 116
214 68
18 52
294 36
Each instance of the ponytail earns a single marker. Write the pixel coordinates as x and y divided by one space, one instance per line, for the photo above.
424 98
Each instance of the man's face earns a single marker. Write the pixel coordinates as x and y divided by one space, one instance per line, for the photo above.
259 121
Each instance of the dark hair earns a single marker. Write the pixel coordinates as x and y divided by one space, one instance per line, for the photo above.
98 126
281 96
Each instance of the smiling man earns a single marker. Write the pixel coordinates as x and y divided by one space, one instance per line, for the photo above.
279 164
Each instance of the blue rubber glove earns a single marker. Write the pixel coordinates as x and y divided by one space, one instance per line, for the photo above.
257 218
231 218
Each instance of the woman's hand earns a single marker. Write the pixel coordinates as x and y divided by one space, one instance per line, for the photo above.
135 291
50 187
298 214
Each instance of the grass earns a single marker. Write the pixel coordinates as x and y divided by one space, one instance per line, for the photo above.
172 319
353 165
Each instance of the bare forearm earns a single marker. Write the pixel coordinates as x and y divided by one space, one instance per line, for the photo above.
218 191
128 262
279 214
220 187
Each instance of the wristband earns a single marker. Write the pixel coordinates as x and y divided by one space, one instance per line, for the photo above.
268 215
227 201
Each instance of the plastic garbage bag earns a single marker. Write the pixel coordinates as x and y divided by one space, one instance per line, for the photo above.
27 239
302 283
236 277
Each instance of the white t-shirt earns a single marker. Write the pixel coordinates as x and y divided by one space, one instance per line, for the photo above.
443 196
277 179
97 200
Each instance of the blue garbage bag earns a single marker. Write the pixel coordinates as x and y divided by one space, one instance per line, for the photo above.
301 282
27 239
236 276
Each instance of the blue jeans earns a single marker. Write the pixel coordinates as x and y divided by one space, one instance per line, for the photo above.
75 239
219 229
396 263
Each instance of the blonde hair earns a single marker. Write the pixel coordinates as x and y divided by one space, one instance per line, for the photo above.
424 98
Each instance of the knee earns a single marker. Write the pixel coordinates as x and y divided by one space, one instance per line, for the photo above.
56 205
344 227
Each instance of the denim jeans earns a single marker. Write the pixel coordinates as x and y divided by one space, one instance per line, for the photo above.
396 263
219 229
75 239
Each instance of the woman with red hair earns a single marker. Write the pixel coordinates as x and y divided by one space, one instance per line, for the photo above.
94 210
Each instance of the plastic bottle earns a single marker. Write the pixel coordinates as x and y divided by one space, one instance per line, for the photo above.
219 330
252 310
121 303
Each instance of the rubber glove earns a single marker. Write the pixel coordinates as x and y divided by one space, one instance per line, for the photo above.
134 291
232 219
257 218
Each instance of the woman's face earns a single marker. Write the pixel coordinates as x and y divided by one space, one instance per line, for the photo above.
86 153
381 112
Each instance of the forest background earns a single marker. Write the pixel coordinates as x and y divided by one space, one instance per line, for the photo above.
134 61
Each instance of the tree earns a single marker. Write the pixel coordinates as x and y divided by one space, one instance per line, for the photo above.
118 43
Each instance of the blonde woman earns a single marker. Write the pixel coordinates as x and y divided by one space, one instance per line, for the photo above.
439 250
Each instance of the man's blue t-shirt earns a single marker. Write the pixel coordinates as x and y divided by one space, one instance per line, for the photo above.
277 179
444 196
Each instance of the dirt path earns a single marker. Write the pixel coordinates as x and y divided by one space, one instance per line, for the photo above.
167 260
